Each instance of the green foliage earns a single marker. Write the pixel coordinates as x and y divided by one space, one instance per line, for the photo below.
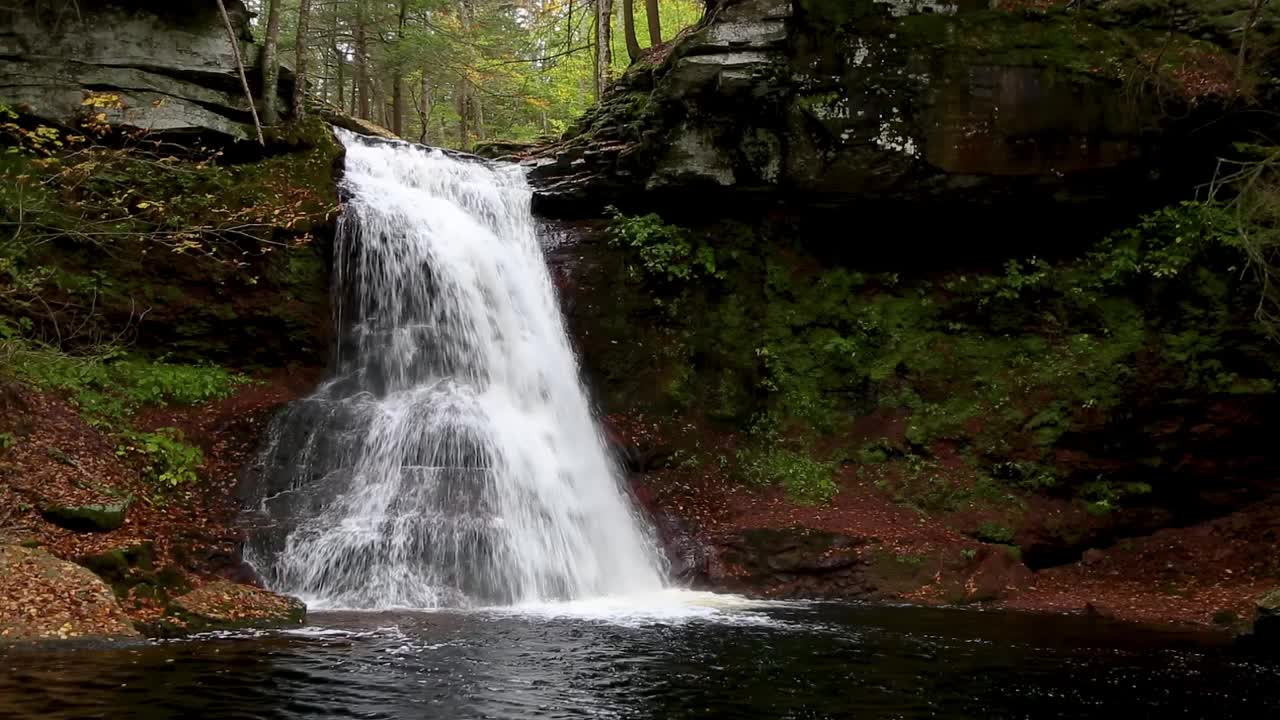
805 479
110 386
1102 496
993 532
665 252
167 460
1005 369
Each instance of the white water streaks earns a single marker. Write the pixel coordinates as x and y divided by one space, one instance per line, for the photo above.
452 459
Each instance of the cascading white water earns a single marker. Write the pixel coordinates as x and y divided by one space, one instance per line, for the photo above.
452 459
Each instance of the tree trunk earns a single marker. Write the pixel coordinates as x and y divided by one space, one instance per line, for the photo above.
604 45
655 24
361 70
397 83
463 101
300 72
244 81
629 29
424 108
271 65
1255 9
339 61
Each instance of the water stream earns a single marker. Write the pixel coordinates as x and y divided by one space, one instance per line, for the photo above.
452 459
676 660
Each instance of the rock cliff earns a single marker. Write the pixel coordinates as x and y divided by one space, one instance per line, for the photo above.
832 102
168 66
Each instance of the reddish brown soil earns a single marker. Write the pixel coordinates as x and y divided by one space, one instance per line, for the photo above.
1207 574
57 458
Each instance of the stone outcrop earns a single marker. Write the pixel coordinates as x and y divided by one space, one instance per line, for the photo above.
163 67
1266 627
227 606
87 518
791 562
44 598
826 102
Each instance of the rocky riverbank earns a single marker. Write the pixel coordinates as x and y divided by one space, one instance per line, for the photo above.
93 550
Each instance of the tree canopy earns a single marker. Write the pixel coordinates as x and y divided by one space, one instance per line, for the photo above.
457 72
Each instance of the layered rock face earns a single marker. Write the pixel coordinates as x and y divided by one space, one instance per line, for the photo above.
830 102
154 66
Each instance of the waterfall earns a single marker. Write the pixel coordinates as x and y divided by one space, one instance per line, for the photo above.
452 457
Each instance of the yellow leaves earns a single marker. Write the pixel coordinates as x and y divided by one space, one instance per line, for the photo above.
101 100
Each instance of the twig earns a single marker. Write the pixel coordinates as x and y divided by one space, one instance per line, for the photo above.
244 80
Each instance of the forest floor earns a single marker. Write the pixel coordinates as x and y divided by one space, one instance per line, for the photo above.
1208 574
1204 575
171 540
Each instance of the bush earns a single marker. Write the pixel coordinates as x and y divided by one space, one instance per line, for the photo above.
168 461
666 252
806 480
995 533
107 387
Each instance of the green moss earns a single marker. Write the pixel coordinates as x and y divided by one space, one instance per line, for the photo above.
806 479
1001 368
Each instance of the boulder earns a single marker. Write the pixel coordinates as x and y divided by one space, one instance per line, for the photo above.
103 517
1266 627
827 102
142 65
44 598
226 605
791 562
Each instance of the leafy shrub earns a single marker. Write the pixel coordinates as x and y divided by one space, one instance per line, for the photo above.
805 479
109 387
168 461
1103 496
993 532
666 252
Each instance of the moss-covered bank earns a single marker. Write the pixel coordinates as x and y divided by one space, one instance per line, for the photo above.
1126 384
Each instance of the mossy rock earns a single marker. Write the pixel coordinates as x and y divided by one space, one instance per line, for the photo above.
1267 625
103 517
222 606
45 598
131 571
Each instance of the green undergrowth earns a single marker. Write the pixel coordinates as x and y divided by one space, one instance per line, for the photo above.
180 248
166 459
1006 366
805 479
108 389
110 386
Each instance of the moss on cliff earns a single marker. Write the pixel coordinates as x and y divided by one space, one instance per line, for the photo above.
1057 376
215 259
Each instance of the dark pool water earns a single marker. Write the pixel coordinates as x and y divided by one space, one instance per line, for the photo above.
804 661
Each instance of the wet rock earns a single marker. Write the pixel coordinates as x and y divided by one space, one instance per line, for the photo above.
44 598
791 562
688 557
103 517
131 570
227 606
1266 628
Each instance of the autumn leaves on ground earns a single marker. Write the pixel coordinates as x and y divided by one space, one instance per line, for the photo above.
865 544
154 559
